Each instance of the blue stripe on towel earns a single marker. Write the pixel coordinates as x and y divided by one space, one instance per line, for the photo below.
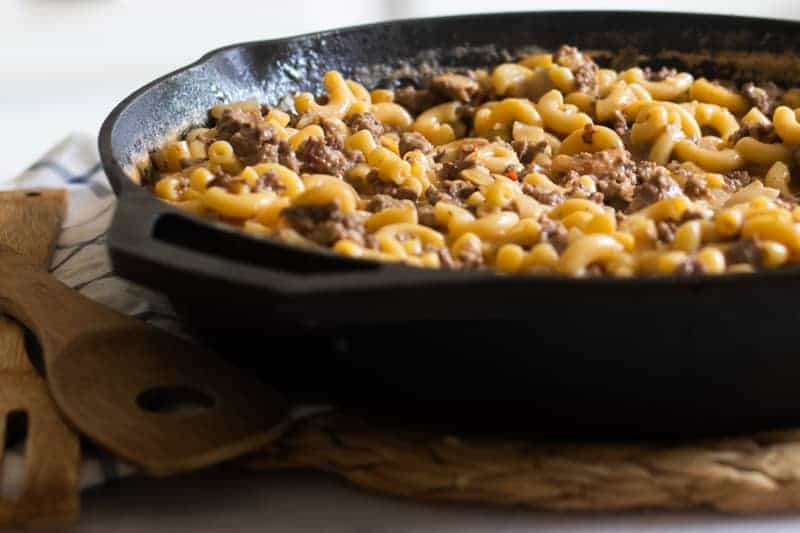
68 176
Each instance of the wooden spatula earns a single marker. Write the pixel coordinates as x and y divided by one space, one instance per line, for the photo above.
48 494
157 401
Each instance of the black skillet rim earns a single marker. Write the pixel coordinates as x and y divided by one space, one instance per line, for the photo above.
390 274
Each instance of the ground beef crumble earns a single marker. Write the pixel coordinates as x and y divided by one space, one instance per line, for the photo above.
665 230
554 233
242 129
319 158
464 150
416 100
765 97
746 251
576 188
614 171
737 179
696 188
325 224
659 75
619 123
690 214
269 182
588 133
446 259
764 133
470 256
224 180
460 189
451 170
543 196
414 141
582 66
455 87
379 202
656 185
365 121
281 153
426 216
375 185
287 157
527 150
335 133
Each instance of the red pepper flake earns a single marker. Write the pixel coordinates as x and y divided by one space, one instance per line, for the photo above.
512 174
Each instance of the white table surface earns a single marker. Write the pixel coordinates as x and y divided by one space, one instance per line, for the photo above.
304 501
63 65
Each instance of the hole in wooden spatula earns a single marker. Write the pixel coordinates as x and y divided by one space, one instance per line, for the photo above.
16 428
174 400
33 194
12 473
34 351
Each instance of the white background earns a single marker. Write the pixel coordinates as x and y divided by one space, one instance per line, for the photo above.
65 63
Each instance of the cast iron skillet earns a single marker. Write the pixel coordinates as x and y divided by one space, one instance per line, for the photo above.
572 356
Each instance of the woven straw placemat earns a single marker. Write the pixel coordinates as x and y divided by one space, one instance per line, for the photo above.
745 474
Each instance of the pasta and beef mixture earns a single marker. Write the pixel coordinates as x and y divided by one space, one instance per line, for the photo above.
548 165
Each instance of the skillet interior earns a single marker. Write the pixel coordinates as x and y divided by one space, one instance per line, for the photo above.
646 356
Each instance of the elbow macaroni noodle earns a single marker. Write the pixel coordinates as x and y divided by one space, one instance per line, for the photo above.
550 165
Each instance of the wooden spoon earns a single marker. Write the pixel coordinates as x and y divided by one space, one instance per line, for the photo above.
48 494
153 399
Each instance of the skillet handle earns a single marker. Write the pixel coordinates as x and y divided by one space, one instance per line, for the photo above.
151 242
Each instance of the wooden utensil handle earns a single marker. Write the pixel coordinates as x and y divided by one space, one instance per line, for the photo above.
54 312
30 221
